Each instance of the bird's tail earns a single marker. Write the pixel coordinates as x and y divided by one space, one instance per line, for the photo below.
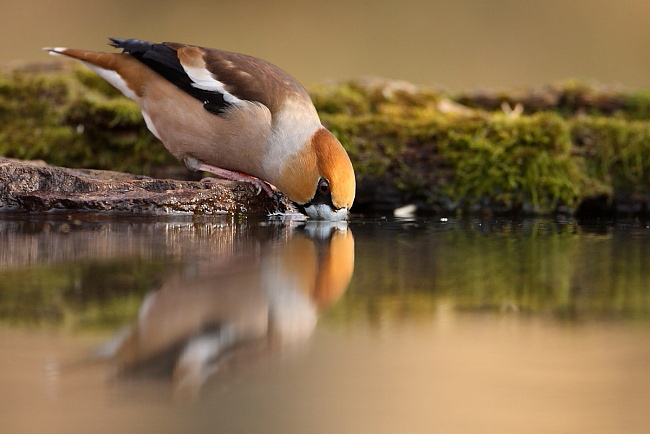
103 60
120 70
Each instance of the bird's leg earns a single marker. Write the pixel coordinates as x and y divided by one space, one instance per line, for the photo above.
196 165
237 176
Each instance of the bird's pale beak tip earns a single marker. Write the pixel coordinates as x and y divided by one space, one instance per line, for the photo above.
324 212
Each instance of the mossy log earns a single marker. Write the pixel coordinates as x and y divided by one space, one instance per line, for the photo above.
566 148
563 149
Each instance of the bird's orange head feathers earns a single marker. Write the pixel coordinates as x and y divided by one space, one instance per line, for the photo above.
321 178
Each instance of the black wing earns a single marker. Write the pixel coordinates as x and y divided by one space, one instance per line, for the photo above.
164 61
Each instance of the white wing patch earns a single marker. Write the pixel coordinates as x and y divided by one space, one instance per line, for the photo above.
203 79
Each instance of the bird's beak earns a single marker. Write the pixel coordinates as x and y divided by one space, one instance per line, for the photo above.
322 211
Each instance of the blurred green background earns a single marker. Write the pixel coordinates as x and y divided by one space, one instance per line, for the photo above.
460 44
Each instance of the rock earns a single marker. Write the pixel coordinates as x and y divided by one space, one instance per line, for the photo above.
37 188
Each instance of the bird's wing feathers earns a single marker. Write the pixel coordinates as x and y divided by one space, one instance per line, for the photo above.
217 78
165 62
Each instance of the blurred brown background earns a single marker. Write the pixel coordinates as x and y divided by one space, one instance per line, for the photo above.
458 44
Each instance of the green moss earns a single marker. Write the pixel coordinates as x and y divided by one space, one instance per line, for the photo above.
638 104
616 152
572 141
74 119
508 162
476 159
515 162
345 98
372 141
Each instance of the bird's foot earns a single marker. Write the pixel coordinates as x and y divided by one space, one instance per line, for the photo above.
195 164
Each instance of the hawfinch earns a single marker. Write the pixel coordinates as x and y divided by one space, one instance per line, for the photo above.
233 115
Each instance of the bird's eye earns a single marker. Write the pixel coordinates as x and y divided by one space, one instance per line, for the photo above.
323 186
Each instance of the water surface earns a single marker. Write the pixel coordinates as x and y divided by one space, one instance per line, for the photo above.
226 325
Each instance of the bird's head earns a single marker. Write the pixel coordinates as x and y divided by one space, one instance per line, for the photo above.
320 178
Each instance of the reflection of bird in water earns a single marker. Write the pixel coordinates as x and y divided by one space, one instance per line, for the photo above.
238 314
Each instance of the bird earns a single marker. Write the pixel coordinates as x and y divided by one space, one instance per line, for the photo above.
233 115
